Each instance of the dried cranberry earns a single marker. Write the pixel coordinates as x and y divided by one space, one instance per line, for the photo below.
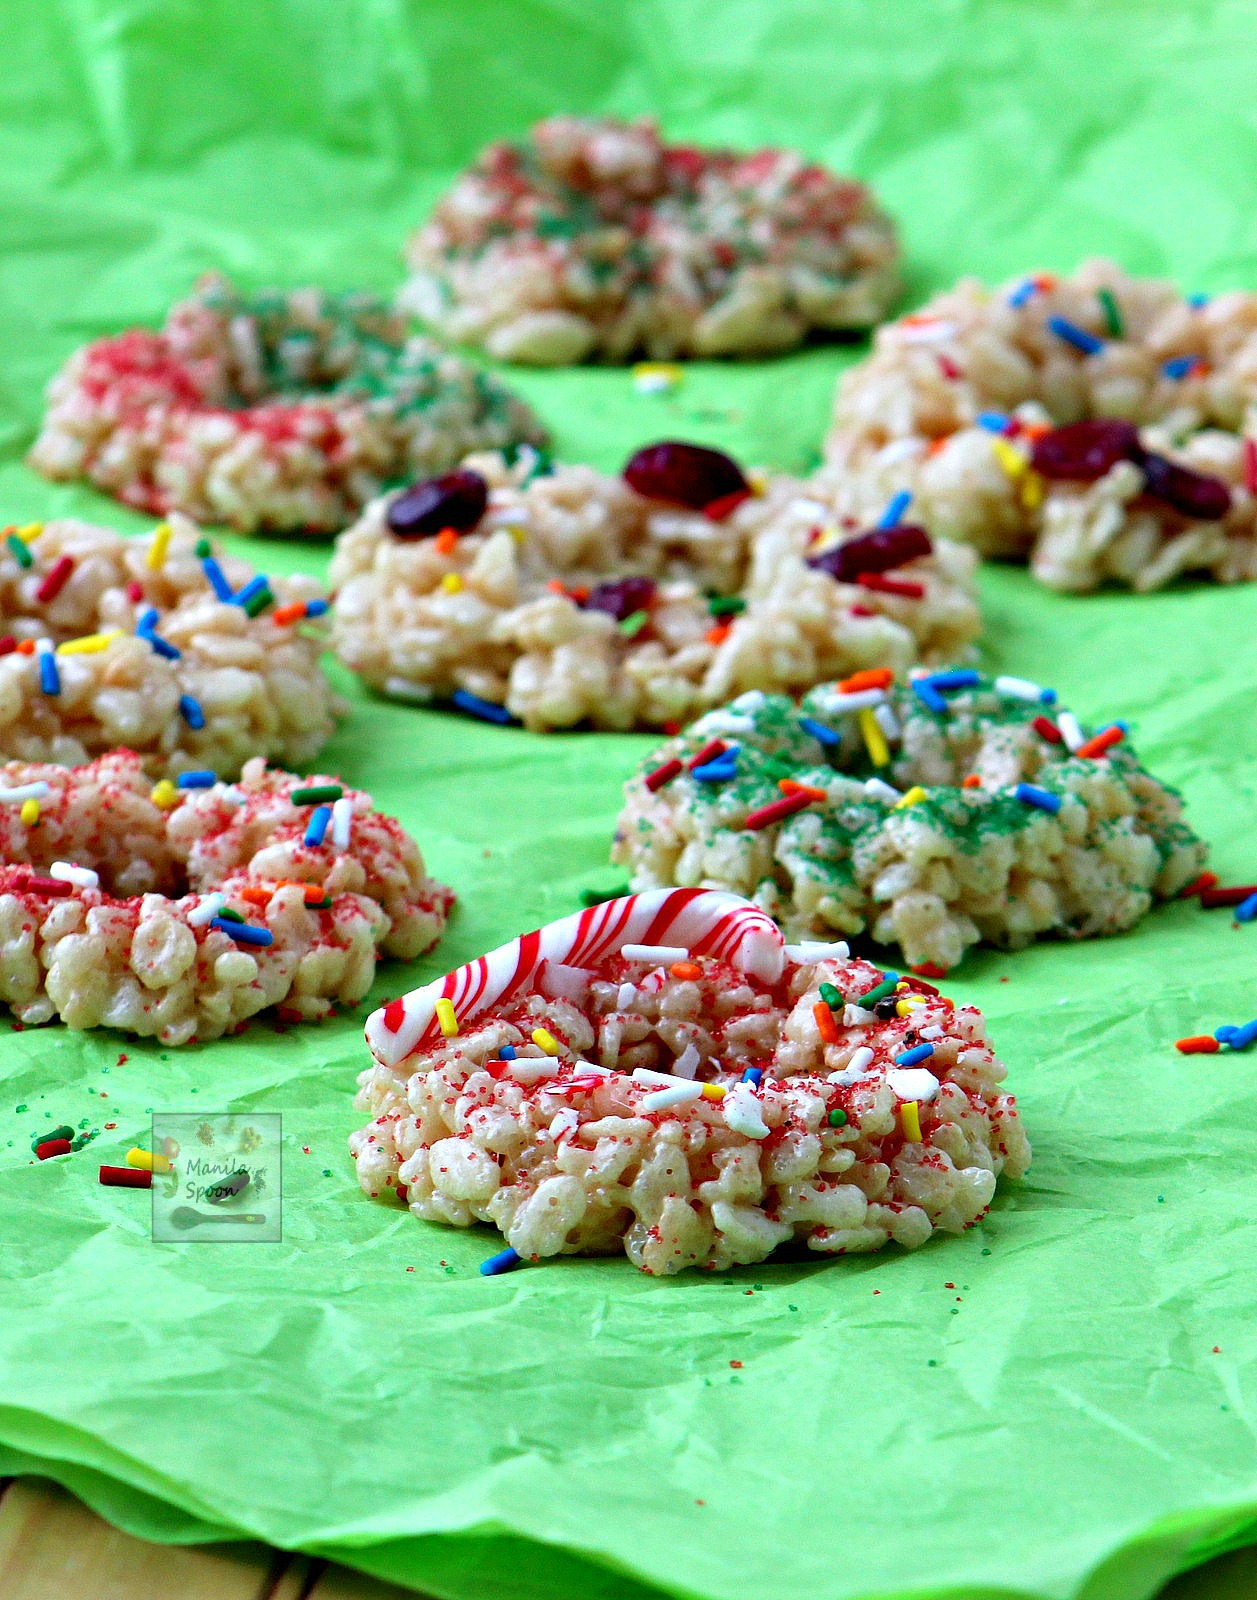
875 551
684 474
454 500
1202 498
622 597
1086 450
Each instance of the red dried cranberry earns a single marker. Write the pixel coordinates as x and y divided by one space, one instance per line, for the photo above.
875 551
454 500
684 474
1086 450
622 597
1195 495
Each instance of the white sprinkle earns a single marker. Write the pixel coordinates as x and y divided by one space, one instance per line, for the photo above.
679 1094
815 509
722 722
750 702
656 954
923 332
229 792
342 821
890 455
887 721
533 1069
743 1112
687 1063
859 700
809 950
913 1083
24 791
403 689
857 1016
855 1069
81 877
876 789
932 1032
566 1123
208 909
1022 689
43 647
626 996
665 1080
1072 734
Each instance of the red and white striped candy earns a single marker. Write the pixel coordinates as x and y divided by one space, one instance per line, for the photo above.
707 922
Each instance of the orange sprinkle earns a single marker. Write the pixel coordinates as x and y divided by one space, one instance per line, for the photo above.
686 969
555 586
717 635
292 612
790 786
445 541
580 593
1199 1044
1045 280
1035 430
870 678
255 894
972 782
825 1024
1100 743
935 445
26 646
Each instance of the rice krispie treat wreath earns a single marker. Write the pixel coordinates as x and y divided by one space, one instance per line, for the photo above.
178 911
161 643
934 815
662 1075
272 412
1099 424
566 596
592 239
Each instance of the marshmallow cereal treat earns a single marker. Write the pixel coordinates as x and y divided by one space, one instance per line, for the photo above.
274 412
931 815
565 596
591 239
663 1075
179 910
1097 425
160 643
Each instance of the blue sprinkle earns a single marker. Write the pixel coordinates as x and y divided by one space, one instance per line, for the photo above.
316 608
820 732
894 511
243 932
992 421
161 647
919 1052
474 706
203 779
963 678
1197 300
715 772
217 581
147 620
190 711
1022 293
49 677
1073 334
1041 799
320 821
1225 1033
254 586
929 696
1247 909
753 1075
1178 366
507 1052
1047 697
505 1261
1241 1038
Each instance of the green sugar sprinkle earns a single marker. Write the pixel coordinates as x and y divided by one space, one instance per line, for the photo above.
1112 313
316 794
203 548
830 996
634 623
726 605
21 550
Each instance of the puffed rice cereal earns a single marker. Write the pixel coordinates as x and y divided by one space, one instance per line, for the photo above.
662 1075
592 239
178 912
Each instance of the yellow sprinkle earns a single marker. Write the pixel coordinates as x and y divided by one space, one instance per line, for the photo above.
146 1161
1033 489
874 738
451 583
156 557
713 1091
758 482
908 1005
164 794
910 1117
446 1017
89 644
913 797
656 377
31 530
29 812
1012 461
518 534
546 1040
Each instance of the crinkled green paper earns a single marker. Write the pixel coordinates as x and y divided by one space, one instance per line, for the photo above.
1061 1403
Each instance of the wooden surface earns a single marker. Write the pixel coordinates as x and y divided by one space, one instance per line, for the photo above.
54 1548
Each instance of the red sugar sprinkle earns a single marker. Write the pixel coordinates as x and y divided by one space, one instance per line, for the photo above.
1048 730
55 579
661 775
735 1363
1212 898
709 752
8 644
1250 465
718 510
54 888
1206 880
122 1058
135 591
949 369
776 810
883 585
